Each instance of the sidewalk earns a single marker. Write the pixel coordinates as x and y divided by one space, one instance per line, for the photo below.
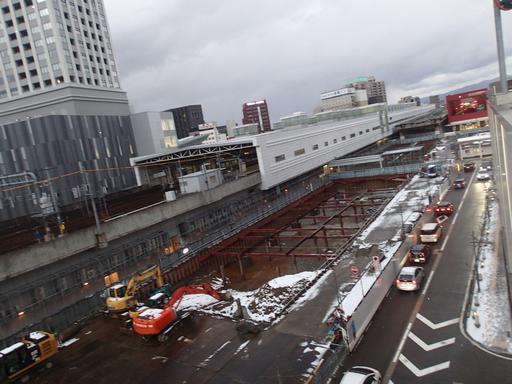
490 319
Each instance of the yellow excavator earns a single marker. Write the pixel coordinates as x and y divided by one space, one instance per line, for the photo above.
121 296
17 360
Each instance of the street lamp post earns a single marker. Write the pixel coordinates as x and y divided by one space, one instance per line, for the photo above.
501 5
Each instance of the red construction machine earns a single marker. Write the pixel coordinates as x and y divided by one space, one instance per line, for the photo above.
159 322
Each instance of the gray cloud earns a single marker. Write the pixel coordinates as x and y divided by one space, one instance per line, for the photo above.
223 53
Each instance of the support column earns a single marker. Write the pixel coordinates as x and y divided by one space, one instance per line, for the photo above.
242 274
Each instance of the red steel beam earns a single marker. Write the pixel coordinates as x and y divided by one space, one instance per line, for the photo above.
272 254
289 237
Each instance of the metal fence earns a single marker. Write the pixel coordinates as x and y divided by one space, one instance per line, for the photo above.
63 319
395 170
331 362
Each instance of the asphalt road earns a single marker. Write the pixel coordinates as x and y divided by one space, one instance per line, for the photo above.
417 337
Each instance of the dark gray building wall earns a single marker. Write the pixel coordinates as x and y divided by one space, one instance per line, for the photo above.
58 144
187 119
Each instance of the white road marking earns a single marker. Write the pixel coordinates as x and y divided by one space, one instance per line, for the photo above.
242 346
430 347
425 371
432 325
428 282
208 359
402 342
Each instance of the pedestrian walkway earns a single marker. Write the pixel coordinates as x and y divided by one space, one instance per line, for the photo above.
490 319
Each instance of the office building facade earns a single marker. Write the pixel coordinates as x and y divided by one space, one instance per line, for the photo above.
375 89
58 147
256 112
61 106
187 119
154 132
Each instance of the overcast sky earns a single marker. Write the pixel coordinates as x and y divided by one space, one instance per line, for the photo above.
223 53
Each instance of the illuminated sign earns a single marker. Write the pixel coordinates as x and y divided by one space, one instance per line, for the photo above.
336 93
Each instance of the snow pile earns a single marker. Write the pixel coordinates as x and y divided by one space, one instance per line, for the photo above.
264 303
195 301
352 298
270 297
493 315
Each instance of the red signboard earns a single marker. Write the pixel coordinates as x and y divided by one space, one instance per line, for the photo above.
467 105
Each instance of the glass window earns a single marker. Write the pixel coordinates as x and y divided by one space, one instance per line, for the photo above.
169 141
279 158
299 152
315 147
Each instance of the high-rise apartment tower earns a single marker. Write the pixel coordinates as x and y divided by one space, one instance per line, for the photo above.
45 43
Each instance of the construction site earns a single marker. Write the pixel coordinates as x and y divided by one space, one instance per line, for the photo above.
281 283
281 288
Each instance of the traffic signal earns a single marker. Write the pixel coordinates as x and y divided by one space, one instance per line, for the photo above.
504 5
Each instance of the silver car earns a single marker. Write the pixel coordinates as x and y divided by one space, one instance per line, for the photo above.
410 278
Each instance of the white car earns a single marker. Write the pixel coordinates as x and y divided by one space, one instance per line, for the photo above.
361 375
410 278
482 175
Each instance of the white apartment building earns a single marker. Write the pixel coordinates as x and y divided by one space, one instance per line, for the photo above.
343 98
44 43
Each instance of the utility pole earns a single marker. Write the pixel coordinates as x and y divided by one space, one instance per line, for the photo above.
501 49
498 6
55 205
475 243
91 195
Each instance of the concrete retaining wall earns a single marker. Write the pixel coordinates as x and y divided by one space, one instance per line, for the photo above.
27 259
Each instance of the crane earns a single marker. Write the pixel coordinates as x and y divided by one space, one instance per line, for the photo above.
122 296
18 359
159 322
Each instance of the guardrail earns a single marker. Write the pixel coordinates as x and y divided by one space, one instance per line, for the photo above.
394 170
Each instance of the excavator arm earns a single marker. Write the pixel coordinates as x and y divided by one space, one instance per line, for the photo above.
178 294
153 271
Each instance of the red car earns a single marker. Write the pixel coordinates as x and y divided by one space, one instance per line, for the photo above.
443 208
468 167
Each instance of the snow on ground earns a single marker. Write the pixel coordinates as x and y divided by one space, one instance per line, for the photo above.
493 313
353 298
264 303
385 232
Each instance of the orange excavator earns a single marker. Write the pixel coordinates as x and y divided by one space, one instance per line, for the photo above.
159 322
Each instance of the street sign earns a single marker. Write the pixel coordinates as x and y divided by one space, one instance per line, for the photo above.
376 263
354 270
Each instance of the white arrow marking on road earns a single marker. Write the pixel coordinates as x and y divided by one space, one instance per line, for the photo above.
425 371
430 347
430 324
